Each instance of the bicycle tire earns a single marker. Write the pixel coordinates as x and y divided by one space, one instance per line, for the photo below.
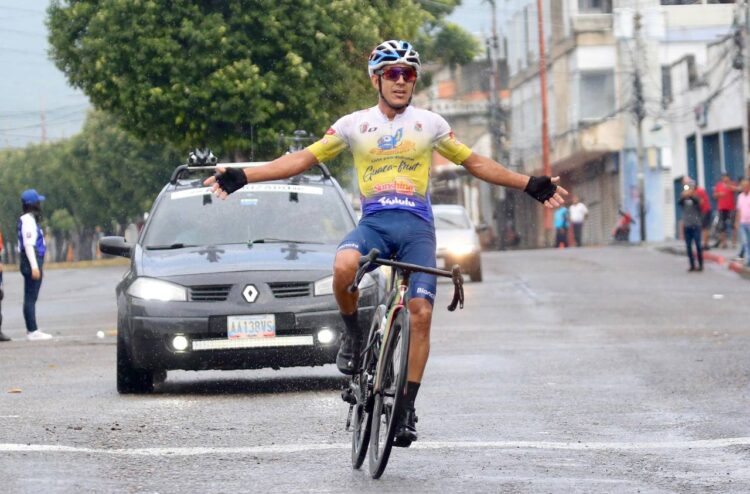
361 423
388 402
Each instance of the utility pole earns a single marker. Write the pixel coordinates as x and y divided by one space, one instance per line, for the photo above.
545 127
492 51
639 111
742 62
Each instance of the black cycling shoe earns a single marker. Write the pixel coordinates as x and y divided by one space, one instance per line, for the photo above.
345 359
3 337
406 430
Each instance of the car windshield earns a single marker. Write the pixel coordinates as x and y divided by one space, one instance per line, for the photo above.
451 220
257 213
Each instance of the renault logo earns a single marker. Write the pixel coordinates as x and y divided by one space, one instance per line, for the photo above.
250 293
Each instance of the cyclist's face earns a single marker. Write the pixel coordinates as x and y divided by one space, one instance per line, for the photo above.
397 92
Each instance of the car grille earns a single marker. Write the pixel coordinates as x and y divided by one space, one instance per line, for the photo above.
290 289
209 293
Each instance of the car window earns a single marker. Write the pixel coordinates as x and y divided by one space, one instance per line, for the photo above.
451 220
305 213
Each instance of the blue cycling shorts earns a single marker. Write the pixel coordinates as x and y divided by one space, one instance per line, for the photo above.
402 236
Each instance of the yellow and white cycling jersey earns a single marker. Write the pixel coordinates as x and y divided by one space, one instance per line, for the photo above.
393 158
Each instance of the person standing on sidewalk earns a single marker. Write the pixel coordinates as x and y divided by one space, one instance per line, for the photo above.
578 214
3 337
561 227
707 214
724 195
31 248
691 224
743 216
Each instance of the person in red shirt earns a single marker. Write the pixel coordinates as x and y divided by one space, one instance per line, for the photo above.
724 195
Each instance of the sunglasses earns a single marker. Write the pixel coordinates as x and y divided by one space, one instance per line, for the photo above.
394 73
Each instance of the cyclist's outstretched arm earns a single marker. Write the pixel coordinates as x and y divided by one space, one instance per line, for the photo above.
493 172
284 166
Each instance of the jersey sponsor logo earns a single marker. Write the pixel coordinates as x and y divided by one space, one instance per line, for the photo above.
424 291
330 131
391 141
401 186
418 126
396 201
363 127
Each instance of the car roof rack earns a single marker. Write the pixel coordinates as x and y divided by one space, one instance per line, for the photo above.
182 170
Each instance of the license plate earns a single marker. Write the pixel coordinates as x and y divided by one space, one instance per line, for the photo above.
256 326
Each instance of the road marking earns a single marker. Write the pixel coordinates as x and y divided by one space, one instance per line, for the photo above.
301 448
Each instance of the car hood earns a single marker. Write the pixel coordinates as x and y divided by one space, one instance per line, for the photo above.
233 258
446 238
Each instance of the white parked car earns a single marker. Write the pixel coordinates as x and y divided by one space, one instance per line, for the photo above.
457 240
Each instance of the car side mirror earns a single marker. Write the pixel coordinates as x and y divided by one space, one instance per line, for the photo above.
115 246
482 227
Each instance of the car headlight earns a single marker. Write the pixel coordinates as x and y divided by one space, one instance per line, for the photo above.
461 249
153 289
324 286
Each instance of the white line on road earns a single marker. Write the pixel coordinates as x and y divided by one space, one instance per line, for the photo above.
300 448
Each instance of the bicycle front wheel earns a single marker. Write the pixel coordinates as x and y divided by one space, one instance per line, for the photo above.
361 423
389 399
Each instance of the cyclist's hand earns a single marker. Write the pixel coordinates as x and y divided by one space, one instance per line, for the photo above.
545 190
226 180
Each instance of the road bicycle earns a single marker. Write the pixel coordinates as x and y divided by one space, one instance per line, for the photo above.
378 386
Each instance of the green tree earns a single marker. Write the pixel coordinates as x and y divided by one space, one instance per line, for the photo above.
233 73
100 176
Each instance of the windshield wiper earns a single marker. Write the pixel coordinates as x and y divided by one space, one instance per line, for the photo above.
169 247
280 241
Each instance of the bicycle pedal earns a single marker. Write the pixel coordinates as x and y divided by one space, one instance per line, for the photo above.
348 396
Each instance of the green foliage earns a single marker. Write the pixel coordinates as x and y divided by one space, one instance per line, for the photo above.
99 176
455 46
61 222
218 72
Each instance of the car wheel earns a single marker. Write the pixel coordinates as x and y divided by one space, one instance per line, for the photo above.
476 273
129 379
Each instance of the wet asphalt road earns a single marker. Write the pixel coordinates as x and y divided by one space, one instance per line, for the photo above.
590 370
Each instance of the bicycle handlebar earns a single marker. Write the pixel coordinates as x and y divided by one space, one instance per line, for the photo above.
454 274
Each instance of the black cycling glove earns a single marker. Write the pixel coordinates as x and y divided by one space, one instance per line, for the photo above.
231 180
540 188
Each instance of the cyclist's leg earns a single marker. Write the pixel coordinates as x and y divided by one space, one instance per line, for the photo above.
358 242
417 246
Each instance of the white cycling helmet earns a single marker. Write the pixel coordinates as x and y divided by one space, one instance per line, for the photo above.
393 52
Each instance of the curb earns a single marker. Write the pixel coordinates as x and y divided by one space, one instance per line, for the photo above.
735 266
99 263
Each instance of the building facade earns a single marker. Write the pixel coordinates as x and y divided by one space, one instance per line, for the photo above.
606 61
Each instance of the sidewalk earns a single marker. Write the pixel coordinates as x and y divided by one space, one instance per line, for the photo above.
722 257
116 261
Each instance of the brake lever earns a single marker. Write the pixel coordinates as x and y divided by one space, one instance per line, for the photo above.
458 288
364 263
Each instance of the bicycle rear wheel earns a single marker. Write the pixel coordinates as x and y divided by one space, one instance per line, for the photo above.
362 382
388 402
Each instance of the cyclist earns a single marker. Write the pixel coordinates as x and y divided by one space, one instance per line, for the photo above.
392 145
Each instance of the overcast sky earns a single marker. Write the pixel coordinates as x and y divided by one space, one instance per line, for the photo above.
31 85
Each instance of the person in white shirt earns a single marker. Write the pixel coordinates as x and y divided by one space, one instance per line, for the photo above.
31 248
578 213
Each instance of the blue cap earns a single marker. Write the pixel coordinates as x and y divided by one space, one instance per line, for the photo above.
31 196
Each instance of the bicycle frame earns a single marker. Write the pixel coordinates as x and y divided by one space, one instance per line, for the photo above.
397 301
